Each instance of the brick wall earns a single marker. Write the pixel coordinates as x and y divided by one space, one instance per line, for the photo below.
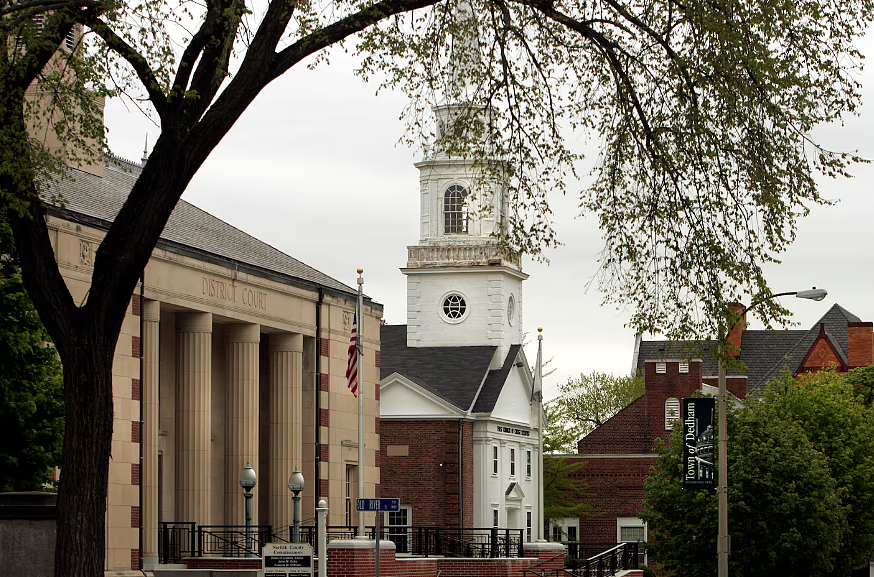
429 476
617 484
860 344
358 562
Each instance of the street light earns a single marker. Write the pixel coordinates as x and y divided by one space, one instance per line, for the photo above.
247 482
722 540
296 484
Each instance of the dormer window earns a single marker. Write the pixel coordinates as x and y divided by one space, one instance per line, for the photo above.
455 210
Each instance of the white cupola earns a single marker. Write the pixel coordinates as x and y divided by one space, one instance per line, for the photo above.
462 289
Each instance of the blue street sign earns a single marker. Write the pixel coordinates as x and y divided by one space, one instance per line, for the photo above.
377 504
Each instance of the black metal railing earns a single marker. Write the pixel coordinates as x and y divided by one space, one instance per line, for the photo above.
230 540
179 540
453 542
618 557
176 541
579 551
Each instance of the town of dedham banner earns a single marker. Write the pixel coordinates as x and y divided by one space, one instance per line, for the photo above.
698 443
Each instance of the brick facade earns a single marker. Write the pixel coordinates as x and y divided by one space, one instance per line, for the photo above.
419 462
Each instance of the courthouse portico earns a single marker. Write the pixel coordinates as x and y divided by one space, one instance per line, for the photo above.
231 352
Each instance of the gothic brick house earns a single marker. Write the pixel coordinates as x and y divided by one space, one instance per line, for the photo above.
619 453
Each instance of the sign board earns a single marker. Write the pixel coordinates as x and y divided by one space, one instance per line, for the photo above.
699 447
287 559
377 504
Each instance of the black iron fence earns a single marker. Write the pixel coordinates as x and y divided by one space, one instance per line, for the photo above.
230 540
177 541
606 562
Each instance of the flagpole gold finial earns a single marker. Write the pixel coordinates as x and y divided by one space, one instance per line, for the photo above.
539 329
360 270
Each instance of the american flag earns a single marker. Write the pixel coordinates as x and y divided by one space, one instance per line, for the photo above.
352 367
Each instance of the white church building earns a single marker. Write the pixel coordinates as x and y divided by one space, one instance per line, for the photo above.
459 440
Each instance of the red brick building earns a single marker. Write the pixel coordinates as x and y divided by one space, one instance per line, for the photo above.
619 454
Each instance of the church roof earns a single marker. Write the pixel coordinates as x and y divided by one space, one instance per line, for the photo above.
766 354
100 199
452 373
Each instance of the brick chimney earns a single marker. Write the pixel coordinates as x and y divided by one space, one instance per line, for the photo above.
736 335
860 344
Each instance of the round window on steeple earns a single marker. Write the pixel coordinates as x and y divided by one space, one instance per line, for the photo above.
453 307
511 310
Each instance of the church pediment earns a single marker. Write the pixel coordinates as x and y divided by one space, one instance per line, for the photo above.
402 397
514 492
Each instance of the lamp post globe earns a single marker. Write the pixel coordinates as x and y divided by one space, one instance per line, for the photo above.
247 482
296 484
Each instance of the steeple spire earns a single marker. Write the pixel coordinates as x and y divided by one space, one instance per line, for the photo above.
465 59
145 151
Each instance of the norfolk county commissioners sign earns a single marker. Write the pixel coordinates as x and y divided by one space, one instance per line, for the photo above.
698 448
286 559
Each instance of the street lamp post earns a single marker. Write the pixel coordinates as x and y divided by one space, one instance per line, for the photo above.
247 482
296 485
723 539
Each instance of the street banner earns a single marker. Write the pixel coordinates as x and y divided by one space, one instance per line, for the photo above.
698 443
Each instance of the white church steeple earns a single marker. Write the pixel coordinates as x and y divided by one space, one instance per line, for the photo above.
462 289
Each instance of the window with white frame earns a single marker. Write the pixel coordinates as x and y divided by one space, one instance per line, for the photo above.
494 460
494 517
528 526
684 367
512 462
528 464
672 412
661 368
455 210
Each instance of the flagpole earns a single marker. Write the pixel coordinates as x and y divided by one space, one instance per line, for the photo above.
539 401
360 361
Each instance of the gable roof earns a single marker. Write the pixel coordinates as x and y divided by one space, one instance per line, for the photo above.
97 200
765 353
458 375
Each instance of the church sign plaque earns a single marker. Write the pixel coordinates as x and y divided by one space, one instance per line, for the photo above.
698 447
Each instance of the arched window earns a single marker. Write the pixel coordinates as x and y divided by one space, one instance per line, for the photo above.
455 210
672 412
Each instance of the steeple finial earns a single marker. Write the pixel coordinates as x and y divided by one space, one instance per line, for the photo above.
145 151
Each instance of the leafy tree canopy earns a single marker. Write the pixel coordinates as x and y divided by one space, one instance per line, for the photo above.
799 471
585 403
704 111
564 490
31 389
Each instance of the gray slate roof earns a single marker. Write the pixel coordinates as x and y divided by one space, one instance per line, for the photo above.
766 354
454 374
190 227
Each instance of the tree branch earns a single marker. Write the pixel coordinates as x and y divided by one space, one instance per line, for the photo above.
135 59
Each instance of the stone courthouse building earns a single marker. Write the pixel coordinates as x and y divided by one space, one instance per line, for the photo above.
231 352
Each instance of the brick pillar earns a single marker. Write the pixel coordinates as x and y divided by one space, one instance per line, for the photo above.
551 555
241 422
193 416
151 312
355 558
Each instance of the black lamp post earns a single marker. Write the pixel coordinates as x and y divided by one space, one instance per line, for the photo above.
722 541
296 485
247 482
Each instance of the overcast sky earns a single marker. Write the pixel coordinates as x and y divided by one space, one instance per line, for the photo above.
313 169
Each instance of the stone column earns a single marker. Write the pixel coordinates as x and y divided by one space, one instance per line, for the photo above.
149 398
193 416
286 379
241 423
